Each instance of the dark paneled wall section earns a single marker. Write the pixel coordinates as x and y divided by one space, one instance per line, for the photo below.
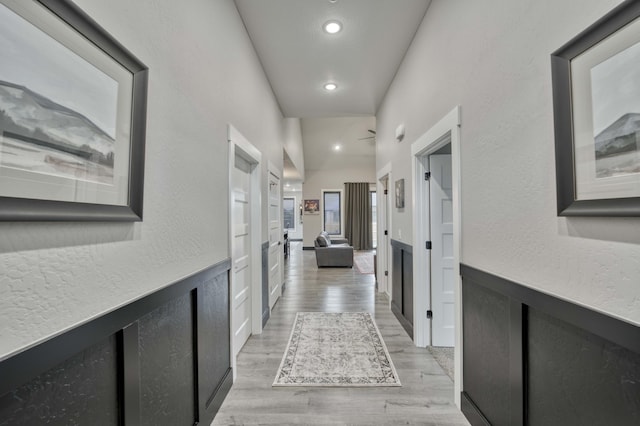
266 312
163 359
402 284
532 359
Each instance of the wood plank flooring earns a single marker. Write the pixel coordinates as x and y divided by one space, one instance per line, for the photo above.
426 395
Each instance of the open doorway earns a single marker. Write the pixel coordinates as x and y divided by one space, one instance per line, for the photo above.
276 255
436 220
383 249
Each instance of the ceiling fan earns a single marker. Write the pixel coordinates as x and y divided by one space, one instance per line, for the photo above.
373 132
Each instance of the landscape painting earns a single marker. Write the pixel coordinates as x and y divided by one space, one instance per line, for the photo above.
57 111
400 193
615 91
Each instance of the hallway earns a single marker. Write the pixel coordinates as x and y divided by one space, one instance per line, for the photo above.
426 395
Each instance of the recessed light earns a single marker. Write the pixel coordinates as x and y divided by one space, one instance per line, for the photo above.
330 87
332 27
337 147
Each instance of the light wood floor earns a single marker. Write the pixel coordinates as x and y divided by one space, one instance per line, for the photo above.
426 395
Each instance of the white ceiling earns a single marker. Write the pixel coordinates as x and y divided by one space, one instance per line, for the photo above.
321 135
299 57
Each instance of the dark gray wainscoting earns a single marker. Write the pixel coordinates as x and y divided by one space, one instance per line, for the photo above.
266 312
402 284
162 359
533 359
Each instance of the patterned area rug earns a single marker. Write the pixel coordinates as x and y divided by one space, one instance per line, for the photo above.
444 357
336 349
363 260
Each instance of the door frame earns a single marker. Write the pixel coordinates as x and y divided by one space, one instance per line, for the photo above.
273 170
239 144
384 250
447 130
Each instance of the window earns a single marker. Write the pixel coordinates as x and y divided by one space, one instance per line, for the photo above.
289 213
331 212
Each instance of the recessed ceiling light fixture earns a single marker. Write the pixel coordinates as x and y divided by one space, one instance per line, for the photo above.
337 147
330 87
332 27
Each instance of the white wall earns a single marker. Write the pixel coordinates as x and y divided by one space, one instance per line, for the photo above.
317 180
293 146
492 59
203 75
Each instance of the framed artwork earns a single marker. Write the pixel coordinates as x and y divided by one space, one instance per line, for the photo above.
400 193
311 206
596 102
72 117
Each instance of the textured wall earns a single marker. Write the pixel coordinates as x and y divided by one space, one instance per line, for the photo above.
492 59
78 391
166 364
203 75
577 378
486 351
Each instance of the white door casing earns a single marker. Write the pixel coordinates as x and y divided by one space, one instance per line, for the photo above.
275 238
245 224
445 131
383 237
384 223
241 256
442 273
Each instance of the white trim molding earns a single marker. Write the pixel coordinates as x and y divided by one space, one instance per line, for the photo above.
447 130
322 192
239 144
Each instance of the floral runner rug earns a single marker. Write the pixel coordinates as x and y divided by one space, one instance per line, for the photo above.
336 349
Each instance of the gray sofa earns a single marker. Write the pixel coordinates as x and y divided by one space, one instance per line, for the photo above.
333 251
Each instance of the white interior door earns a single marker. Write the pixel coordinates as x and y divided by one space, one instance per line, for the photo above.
241 256
275 240
442 273
385 237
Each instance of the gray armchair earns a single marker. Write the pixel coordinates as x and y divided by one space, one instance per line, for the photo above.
333 252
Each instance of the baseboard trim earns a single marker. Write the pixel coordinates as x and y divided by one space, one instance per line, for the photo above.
471 412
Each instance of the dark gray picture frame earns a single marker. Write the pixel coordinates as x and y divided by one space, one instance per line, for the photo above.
567 202
400 193
26 209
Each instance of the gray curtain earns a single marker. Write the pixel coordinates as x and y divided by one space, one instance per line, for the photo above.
357 219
